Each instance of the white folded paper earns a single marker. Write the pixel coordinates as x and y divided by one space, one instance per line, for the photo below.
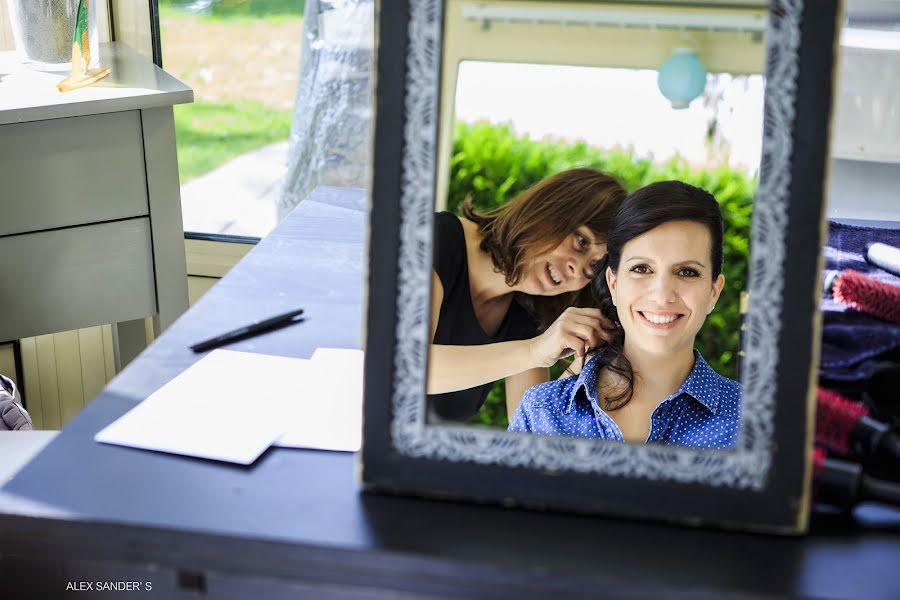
329 413
232 406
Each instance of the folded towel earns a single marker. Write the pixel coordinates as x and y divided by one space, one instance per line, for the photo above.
13 415
854 342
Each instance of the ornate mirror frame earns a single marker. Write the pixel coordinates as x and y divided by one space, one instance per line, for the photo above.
765 483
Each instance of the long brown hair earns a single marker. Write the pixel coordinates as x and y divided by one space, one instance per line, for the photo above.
538 220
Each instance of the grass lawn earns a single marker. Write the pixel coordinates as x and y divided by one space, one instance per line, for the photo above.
231 10
241 57
209 135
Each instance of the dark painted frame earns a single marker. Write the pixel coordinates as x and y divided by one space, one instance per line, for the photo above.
155 33
782 505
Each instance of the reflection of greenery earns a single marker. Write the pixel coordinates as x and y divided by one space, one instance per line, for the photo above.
493 165
209 135
234 9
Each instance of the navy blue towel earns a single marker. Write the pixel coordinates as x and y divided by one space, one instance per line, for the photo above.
854 342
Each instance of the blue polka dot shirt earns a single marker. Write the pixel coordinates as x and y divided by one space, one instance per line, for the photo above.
705 412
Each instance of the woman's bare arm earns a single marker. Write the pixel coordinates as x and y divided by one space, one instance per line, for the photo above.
453 368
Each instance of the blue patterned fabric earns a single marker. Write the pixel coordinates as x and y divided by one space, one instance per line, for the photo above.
853 343
705 412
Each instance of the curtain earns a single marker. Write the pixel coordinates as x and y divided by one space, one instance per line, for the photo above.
329 142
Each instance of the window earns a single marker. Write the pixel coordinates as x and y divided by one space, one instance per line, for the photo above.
242 59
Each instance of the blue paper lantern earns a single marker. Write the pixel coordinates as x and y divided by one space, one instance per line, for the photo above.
682 77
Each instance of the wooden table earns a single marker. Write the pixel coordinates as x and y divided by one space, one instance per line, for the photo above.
296 523
90 207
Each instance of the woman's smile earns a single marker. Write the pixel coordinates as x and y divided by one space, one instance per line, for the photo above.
554 275
662 321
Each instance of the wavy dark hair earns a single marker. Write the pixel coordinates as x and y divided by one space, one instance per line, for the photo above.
643 210
538 220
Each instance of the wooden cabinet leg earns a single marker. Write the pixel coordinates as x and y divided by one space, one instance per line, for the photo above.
129 340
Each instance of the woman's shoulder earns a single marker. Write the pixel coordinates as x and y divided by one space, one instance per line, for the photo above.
551 395
447 225
715 388
704 369
730 393
728 386
452 231
449 248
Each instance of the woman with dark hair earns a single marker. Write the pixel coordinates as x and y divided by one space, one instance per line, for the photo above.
660 279
509 289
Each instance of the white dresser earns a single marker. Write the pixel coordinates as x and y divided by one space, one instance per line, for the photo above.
90 208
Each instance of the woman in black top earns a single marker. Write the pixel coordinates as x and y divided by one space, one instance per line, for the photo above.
509 291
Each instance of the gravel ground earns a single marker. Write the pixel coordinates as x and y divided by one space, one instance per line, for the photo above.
226 62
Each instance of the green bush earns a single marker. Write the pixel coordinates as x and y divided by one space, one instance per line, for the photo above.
493 165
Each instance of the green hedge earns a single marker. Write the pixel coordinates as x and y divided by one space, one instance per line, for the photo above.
493 164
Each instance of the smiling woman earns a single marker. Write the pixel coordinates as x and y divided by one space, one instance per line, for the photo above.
505 286
662 277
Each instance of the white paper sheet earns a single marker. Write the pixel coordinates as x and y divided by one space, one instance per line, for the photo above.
227 406
328 411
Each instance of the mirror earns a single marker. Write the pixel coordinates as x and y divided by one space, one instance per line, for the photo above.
469 95
506 125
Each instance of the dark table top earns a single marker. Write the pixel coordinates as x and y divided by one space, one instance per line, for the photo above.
301 514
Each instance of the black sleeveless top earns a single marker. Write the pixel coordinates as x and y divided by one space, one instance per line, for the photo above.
457 324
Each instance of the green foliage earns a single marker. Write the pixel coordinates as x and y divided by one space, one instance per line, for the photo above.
208 135
493 165
493 411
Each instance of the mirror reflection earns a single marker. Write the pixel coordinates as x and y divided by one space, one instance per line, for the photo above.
573 293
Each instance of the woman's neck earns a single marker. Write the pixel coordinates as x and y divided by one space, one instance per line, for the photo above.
659 376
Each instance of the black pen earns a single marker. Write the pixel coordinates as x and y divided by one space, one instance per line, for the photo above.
249 330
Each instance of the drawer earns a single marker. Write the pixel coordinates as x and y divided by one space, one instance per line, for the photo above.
71 171
76 277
